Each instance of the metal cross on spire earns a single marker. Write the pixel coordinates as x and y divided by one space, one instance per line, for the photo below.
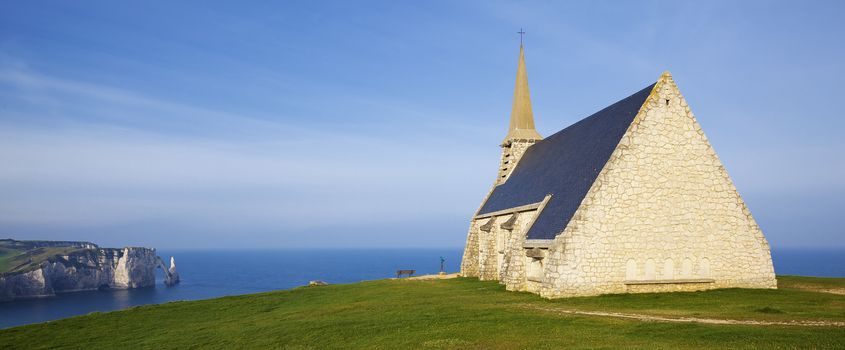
521 34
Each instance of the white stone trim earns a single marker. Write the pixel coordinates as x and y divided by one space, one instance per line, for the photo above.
538 243
526 207
673 281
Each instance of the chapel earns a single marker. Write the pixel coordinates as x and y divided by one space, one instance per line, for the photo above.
630 199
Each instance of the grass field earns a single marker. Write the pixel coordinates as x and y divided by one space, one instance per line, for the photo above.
460 313
6 255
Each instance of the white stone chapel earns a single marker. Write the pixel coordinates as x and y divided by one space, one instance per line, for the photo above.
630 199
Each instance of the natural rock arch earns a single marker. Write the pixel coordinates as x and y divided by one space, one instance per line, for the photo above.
171 277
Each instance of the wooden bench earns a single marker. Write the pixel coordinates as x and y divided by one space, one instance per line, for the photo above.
399 273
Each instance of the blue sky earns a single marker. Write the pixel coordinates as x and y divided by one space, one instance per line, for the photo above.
375 124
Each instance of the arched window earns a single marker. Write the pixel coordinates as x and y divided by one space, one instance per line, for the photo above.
668 269
704 267
535 270
649 269
631 270
686 268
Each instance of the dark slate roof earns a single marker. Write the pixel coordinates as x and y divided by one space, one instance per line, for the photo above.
565 165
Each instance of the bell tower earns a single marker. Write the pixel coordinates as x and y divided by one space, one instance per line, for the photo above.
521 132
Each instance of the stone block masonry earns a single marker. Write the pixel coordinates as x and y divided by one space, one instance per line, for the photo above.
663 209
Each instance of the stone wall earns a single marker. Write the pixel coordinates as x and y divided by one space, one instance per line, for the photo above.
488 268
482 256
511 257
488 258
662 211
514 276
469 261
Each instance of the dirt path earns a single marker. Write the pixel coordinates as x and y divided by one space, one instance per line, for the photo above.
653 318
839 291
434 277
833 291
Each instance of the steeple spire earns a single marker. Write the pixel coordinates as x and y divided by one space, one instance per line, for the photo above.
522 118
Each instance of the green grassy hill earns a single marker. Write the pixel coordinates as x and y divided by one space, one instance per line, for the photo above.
463 313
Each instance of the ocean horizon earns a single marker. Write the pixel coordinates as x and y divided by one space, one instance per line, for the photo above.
217 273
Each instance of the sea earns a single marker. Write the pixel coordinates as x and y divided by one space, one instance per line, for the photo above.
212 274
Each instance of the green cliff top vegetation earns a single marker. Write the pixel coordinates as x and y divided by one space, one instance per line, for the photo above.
24 256
463 313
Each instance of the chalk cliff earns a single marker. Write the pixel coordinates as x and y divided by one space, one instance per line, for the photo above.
86 268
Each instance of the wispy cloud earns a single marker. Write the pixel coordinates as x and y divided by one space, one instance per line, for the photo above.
108 173
85 102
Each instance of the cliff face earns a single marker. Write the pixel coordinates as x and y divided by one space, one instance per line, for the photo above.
87 269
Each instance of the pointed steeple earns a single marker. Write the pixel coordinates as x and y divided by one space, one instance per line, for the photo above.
522 118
